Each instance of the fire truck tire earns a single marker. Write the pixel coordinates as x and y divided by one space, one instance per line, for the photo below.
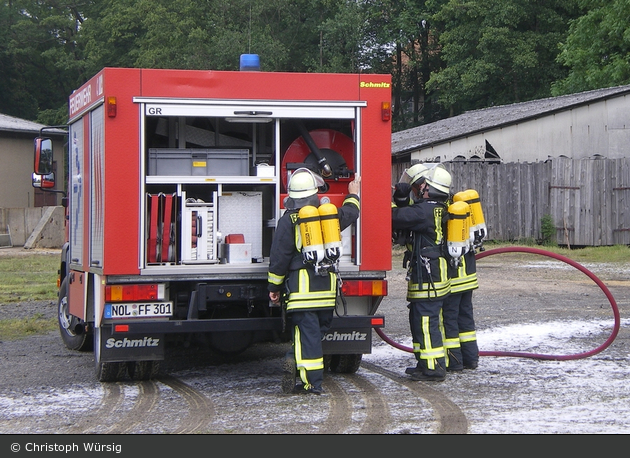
72 329
143 370
345 364
110 372
106 371
230 343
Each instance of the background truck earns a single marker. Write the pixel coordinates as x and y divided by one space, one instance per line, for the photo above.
176 179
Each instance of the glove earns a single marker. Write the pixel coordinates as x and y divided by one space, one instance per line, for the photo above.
401 194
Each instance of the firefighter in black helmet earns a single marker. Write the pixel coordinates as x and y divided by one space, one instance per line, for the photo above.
428 283
310 294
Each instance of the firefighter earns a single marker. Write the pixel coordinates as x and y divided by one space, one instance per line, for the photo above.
460 337
428 283
309 293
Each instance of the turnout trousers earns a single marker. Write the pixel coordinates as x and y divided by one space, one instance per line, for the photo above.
426 332
309 327
460 338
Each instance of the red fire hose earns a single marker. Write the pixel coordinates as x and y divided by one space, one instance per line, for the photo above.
559 257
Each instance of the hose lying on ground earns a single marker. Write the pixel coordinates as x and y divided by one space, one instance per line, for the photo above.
559 257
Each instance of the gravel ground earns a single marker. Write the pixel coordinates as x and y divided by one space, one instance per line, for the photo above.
525 303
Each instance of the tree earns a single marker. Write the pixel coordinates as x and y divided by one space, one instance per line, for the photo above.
499 51
401 39
597 49
43 64
198 34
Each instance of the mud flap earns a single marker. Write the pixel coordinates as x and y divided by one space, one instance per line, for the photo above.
350 335
130 347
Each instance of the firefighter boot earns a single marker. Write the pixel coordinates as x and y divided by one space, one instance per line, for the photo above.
470 354
289 372
411 370
454 360
424 374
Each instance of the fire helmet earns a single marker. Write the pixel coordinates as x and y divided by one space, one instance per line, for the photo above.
304 183
439 179
414 174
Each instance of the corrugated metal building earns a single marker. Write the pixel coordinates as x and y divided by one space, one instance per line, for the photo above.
576 126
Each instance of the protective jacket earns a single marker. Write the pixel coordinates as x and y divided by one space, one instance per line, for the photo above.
428 268
465 277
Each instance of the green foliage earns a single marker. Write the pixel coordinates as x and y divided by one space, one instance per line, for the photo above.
498 52
445 56
548 231
14 329
597 48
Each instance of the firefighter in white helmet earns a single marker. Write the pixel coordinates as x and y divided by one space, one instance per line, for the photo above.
310 296
428 283
414 176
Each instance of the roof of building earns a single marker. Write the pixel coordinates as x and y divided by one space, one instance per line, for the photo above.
12 124
472 122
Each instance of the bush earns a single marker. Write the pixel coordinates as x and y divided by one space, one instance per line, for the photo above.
548 231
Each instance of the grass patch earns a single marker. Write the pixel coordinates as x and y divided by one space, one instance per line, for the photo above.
599 254
28 278
15 329
606 254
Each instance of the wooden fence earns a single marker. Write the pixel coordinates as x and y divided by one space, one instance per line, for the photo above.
587 199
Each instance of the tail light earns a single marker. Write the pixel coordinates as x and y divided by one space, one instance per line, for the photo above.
134 292
364 288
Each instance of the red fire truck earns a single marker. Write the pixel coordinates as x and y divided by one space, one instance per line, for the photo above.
176 179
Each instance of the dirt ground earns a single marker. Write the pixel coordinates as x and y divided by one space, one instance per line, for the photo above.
520 296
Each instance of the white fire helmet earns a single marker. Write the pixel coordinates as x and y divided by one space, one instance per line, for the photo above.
304 183
414 173
439 178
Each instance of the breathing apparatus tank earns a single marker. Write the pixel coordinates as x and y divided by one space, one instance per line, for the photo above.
311 233
331 231
462 196
477 221
458 230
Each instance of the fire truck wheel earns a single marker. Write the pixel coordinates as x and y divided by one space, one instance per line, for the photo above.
345 364
110 372
230 343
142 370
106 371
72 329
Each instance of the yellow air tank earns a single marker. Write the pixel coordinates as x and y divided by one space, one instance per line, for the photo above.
463 196
331 231
458 230
478 222
311 233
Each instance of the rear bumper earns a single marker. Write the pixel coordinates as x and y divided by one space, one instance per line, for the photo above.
344 323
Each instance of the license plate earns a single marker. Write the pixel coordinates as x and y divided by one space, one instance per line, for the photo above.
138 310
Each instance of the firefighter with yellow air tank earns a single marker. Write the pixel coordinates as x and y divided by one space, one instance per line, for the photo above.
302 271
460 338
460 220
421 211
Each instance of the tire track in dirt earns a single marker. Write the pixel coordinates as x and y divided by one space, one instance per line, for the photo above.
113 397
449 416
201 410
148 396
